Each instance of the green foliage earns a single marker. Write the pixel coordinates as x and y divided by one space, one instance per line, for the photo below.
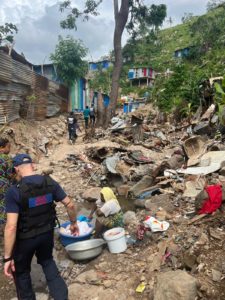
187 17
206 29
68 59
180 89
7 32
220 98
101 80
31 98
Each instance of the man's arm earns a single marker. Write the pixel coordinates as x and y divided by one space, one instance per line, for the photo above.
72 214
9 240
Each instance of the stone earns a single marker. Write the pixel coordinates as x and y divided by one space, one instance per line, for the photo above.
90 277
162 215
107 283
39 296
216 275
92 292
47 171
139 203
203 240
174 285
129 218
123 189
144 183
92 194
189 260
159 201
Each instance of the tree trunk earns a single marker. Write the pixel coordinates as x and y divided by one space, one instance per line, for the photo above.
121 17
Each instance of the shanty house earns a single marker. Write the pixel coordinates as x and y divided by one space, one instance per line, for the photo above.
181 53
19 84
141 76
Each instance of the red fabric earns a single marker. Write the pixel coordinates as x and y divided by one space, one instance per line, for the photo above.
214 201
141 231
145 72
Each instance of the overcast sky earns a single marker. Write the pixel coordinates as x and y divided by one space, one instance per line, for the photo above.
38 24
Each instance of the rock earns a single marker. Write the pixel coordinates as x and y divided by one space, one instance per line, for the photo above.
139 203
202 128
91 292
39 296
92 194
144 183
47 171
216 275
162 215
107 283
129 217
189 260
123 190
203 240
90 277
174 285
157 201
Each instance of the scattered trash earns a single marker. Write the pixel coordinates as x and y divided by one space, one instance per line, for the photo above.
156 225
141 287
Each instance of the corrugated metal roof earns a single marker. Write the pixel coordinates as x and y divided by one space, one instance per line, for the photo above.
5 67
17 81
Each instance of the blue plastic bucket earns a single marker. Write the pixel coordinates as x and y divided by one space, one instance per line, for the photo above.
68 239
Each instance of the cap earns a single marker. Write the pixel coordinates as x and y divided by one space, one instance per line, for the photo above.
21 159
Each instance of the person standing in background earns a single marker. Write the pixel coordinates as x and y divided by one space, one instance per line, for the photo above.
6 176
86 114
92 115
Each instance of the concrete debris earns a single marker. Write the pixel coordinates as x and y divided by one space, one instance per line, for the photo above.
159 170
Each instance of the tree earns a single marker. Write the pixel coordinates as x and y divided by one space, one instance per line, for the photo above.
170 21
7 32
68 59
133 13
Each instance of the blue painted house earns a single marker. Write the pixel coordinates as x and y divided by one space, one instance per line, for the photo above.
79 95
48 71
181 53
99 65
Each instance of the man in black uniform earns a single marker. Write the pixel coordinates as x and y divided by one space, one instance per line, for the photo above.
30 226
72 127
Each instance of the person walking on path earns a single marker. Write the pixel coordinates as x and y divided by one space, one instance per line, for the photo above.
86 114
30 226
72 127
92 115
6 176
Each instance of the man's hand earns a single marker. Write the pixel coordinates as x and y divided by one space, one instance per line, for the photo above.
74 229
9 268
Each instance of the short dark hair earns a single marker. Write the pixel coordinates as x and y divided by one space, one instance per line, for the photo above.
3 142
86 106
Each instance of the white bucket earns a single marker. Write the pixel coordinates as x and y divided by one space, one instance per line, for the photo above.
115 239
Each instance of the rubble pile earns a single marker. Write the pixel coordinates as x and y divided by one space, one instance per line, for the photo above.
174 173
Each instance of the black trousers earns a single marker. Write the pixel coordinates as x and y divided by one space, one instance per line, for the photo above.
92 119
42 247
86 120
72 133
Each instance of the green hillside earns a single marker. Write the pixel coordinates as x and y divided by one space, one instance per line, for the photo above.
206 37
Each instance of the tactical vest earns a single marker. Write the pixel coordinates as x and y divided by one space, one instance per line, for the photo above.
38 213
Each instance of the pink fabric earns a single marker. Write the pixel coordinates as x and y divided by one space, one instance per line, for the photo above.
214 201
